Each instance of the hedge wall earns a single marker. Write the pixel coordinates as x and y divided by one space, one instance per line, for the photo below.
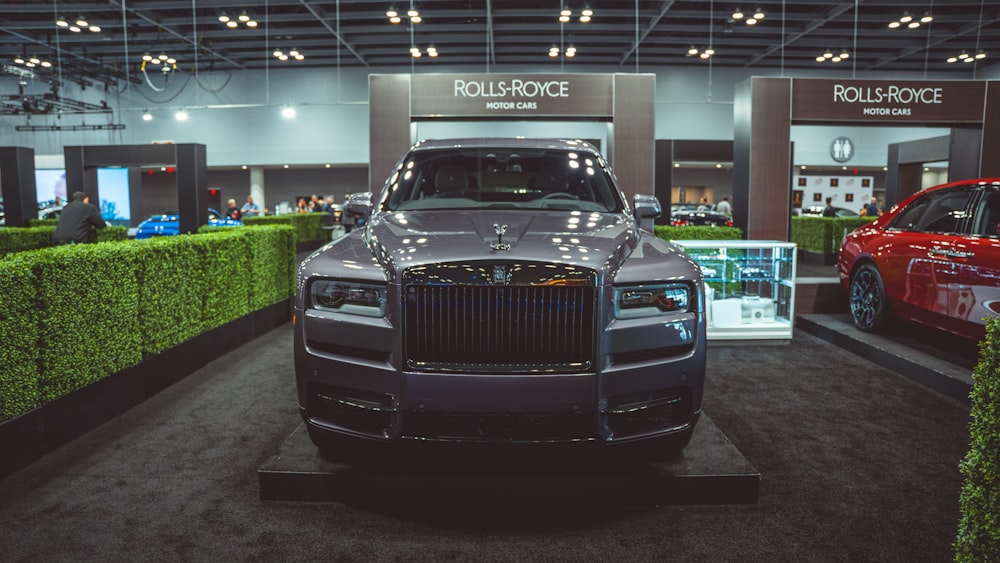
669 232
979 525
71 315
307 225
19 239
823 234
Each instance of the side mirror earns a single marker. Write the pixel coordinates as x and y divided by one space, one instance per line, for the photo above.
360 204
647 208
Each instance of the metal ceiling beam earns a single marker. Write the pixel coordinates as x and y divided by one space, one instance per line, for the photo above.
491 55
178 35
649 28
337 36
833 13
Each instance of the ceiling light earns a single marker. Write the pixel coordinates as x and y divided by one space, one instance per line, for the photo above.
391 14
147 57
416 19
243 17
293 53
432 51
82 22
758 14
737 14
412 14
751 21
181 115
584 19
563 19
395 19
845 55
171 61
288 112
893 25
913 25
95 28
710 51
146 116
980 55
969 60
224 18
283 57
566 13
952 59
828 54
277 53
835 59
907 18
587 12
19 60
692 51
61 22
964 55
252 23
74 29
704 55
300 57
231 24
927 19
820 58
571 51
34 60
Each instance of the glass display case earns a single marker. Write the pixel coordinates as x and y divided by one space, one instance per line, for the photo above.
750 287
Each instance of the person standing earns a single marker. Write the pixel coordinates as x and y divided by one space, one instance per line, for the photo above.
78 221
233 212
871 208
724 206
250 209
829 210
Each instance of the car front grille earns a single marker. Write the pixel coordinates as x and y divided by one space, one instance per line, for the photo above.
500 329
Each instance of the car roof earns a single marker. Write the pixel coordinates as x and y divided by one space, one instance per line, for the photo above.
504 143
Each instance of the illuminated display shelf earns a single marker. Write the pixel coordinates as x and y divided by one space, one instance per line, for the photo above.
750 287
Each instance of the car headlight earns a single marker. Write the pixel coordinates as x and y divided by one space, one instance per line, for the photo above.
651 300
348 297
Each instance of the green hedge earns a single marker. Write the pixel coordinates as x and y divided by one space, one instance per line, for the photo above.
20 239
19 355
979 525
669 232
307 225
71 315
823 234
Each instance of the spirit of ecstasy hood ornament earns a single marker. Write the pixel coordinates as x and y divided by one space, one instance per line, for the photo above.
499 244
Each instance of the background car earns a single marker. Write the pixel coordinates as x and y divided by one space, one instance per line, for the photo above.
500 292
933 259
817 211
694 217
168 224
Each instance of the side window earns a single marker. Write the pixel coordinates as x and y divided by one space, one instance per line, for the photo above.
987 221
938 212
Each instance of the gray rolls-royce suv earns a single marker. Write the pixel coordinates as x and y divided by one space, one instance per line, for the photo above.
501 291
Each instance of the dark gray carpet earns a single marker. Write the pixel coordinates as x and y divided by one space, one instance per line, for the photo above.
858 463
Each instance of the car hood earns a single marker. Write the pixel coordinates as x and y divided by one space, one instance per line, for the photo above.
601 241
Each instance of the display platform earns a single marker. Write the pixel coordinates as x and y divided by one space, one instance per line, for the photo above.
711 470
944 365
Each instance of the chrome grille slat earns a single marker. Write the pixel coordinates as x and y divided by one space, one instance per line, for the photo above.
496 329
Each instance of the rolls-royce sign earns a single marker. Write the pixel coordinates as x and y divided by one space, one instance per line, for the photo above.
923 101
566 95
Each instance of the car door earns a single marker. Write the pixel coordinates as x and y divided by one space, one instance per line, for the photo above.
981 268
924 259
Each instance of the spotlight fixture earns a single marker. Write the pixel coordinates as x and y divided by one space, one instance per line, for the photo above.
146 116
586 15
432 51
292 54
747 18
32 62
412 14
965 57
737 14
288 112
62 22
910 21
703 54
569 53
833 56
82 22
181 115
233 23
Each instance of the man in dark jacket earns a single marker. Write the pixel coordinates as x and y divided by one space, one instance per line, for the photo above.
78 221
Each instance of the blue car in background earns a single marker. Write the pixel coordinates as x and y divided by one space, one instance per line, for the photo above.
168 224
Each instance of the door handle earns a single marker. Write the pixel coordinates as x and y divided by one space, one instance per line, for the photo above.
937 250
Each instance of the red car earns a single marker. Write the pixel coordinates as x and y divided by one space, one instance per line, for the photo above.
933 259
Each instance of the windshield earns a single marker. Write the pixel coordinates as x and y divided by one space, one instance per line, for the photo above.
503 178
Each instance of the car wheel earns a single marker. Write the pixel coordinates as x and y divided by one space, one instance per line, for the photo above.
867 298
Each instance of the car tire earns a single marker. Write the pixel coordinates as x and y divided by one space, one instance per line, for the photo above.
867 298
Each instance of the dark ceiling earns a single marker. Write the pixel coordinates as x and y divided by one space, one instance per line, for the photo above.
493 33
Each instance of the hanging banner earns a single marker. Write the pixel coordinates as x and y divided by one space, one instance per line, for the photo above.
524 95
907 101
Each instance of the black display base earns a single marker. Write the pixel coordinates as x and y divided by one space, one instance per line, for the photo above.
909 357
817 258
709 471
26 438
